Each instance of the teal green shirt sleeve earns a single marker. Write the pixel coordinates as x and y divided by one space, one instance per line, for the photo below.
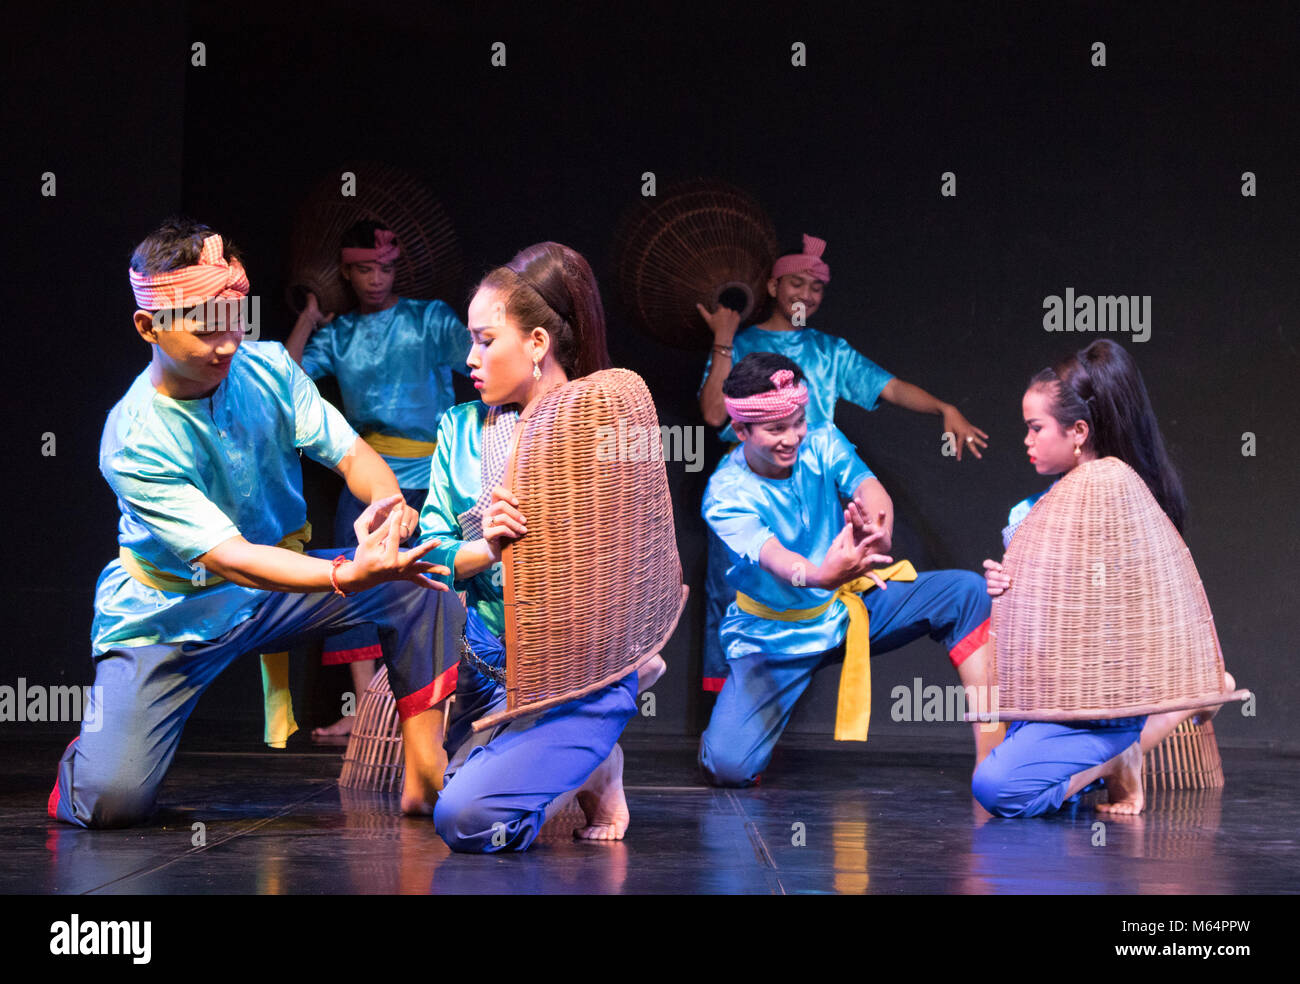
842 459
857 378
318 353
320 430
449 336
439 516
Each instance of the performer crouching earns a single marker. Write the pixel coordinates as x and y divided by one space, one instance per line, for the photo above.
800 561
203 455
536 323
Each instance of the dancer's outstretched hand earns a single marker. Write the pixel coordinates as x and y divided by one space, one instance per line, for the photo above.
866 528
379 556
847 561
967 435
996 579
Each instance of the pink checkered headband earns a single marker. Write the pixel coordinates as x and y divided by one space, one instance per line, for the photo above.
809 261
212 278
386 250
777 404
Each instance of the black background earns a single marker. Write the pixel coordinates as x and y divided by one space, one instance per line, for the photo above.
1117 180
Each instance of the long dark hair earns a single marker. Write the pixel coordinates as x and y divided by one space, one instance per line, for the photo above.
1101 385
552 286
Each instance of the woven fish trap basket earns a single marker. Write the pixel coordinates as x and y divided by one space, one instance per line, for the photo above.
430 266
702 242
1187 759
594 589
373 759
1106 616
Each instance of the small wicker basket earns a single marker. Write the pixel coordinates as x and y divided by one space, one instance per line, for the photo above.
1187 759
373 759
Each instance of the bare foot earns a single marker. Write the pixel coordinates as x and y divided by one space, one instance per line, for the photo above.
339 729
1124 783
419 793
602 801
649 672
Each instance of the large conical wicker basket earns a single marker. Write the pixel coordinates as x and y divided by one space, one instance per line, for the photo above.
703 242
430 265
595 588
373 759
1106 616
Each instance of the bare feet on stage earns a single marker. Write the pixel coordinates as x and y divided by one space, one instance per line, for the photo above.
649 672
339 729
602 801
1124 783
425 761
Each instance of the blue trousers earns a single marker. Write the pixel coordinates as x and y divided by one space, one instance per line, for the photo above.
499 783
110 777
1028 774
361 642
760 694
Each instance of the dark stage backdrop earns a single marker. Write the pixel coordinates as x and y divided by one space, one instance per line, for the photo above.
1122 179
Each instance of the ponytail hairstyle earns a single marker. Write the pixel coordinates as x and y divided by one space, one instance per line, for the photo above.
552 286
1101 386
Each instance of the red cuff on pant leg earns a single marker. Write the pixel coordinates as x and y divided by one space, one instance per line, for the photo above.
713 685
973 640
52 804
336 657
435 693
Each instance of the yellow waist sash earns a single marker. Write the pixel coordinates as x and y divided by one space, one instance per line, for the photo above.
853 707
399 447
277 701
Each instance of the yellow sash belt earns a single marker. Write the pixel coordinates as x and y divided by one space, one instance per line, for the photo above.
399 447
853 708
277 701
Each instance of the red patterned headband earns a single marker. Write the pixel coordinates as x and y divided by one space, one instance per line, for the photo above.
386 250
777 404
212 278
809 261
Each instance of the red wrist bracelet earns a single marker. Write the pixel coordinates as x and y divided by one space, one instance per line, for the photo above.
334 575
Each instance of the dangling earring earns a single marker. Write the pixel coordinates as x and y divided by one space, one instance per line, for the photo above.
1077 451
537 374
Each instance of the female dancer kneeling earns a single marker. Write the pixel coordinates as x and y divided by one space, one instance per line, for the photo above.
1092 405
536 323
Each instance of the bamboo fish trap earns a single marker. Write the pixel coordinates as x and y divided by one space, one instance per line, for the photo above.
702 242
430 265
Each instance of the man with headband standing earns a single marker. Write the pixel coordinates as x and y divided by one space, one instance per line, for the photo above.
392 357
834 370
807 529
203 455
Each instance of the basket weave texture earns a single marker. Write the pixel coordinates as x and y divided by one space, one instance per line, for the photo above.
373 759
1187 759
1106 616
430 265
688 246
595 587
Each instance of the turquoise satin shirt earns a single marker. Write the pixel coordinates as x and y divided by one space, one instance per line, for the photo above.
394 371
191 474
455 483
805 513
833 369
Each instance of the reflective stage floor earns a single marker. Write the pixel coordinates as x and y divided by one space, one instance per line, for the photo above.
892 817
